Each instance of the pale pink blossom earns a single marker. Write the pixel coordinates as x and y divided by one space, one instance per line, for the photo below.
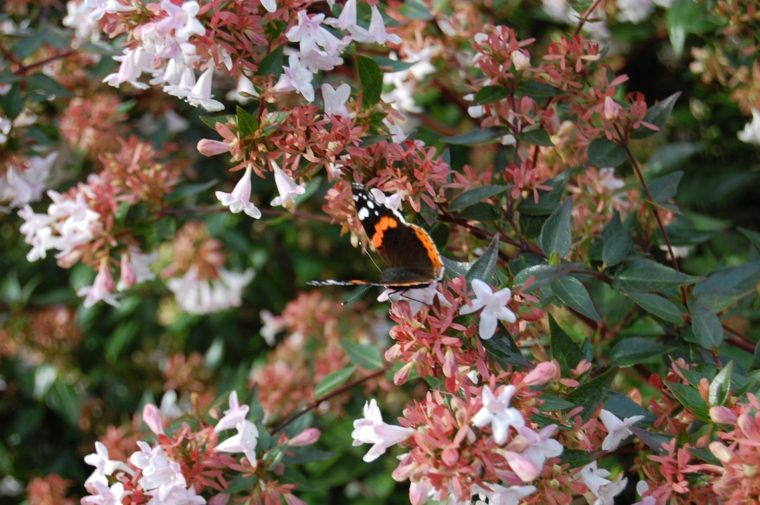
152 417
286 187
104 495
306 437
244 441
538 447
104 466
197 295
200 94
296 77
542 373
209 147
497 412
392 201
239 200
102 288
597 482
372 430
232 416
335 99
617 430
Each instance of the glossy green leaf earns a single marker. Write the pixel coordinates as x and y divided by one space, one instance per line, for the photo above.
414 9
548 201
576 458
664 188
555 234
363 355
537 90
657 115
706 326
605 153
246 122
574 294
537 137
485 266
564 349
63 399
490 94
272 63
592 393
543 274
616 241
475 195
658 306
634 350
720 386
647 275
752 236
689 397
475 137
333 381
725 286
371 78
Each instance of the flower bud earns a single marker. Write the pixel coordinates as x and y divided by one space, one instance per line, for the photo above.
127 277
306 437
722 415
721 452
208 147
611 108
520 60
152 417
542 373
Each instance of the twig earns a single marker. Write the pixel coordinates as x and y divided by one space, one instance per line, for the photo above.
292 417
23 69
584 17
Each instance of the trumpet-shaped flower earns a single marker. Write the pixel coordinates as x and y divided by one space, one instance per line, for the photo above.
232 416
239 200
244 441
336 98
600 486
287 188
201 95
617 429
372 430
494 307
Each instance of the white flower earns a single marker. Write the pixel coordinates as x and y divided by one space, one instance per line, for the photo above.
269 5
372 430
271 326
296 77
641 489
244 441
392 201
130 70
634 11
617 430
240 198
185 85
751 132
347 19
608 180
417 297
101 288
494 307
233 416
287 188
502 495
244 91
104 467
162 477
22 185
335 99
201 95
203 296
540 445
104 495
497 412
600 486
376 32
315 60
136 266
310 35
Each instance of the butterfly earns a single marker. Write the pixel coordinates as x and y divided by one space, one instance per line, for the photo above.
412 259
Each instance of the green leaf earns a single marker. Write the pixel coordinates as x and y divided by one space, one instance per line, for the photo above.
752 236
592 393
241 483
537 137
392 66
690 398
576 458
504 350
246 122
211 121
413 9
46 86
484 267
635 350
657 114
555 234
371 78
725 286
333 381
671 156
475 137
490 94
190 190
616 241
272 63
652 440
707 328
605 153
537 89
475 195
564 349
574 294
365 356
63 399
657 305
683 17
548 201
720 386
122 336
544 274
664 188
646 275
11 103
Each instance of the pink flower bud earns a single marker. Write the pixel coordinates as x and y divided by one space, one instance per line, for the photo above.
450 456
748 426
449 364
419 492
721 452
520 60
402 375
219 499
306 437
611 108
128 277
152 417
542 373
722 415
522 466
208 147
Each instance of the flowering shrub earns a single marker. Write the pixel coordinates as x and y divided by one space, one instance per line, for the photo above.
174 174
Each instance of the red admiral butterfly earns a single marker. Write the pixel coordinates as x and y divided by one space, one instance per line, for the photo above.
411 257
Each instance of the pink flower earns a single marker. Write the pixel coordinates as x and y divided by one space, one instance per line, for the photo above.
208 147
201 95
372 430
152 417
600 486
105 495
296 77
335 99
104 466
539 447
240 198
102 288
542 373
497 412
244 441
617 430
287 188
611 108
232 416
306 437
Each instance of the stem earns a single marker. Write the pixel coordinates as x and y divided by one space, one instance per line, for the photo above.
624 144
292 417
585 16
23 69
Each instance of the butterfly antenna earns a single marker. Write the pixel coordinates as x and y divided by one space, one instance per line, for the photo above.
356 295
402 293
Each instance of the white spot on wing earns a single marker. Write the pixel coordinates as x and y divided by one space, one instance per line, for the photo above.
364 213
370 204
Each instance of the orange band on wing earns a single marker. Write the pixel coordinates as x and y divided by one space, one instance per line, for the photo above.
432 251
382 225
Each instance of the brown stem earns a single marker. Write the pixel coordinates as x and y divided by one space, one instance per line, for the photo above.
295 415
622 141
23 69
585 16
